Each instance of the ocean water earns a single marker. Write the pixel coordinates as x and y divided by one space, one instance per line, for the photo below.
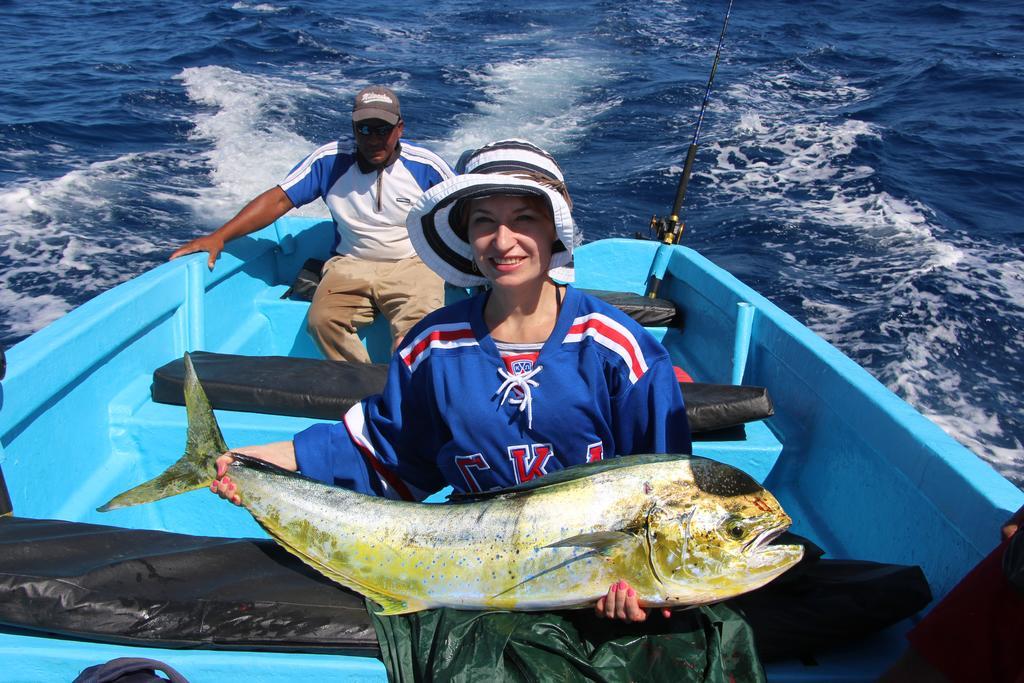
861 163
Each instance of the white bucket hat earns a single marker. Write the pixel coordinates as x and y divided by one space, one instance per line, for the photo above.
433 222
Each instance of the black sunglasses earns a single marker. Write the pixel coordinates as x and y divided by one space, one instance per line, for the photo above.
382 131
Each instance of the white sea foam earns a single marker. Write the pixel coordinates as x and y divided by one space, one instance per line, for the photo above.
251 134
976 430
548 100
388 32
265 7
57 218
534 34
801 171
64 230
897 302
67 226
24 314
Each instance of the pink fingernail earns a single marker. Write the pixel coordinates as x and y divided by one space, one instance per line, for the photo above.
631 592
614 587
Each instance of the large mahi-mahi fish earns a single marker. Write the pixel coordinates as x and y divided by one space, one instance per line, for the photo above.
682 531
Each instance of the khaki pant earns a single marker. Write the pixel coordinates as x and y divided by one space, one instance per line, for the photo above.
353 290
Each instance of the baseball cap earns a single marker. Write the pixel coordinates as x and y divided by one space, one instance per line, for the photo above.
376 102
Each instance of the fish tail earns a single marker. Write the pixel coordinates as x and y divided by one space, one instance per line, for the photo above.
194 470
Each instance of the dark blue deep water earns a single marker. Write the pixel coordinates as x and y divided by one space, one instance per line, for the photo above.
861 162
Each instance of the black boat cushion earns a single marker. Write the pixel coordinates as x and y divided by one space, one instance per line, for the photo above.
324 389
646 311
820 605
277 385
712 407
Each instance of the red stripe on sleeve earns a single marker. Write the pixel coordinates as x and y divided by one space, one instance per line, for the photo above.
615 336
434 337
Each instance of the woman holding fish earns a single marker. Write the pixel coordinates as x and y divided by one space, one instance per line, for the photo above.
526 378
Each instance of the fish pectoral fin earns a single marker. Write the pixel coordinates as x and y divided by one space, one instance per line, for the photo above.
560 565
601 542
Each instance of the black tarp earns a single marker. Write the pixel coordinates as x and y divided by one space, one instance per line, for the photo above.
171 590
325 389
155 588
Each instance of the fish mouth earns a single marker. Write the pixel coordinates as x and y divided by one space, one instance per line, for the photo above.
760 542
763 557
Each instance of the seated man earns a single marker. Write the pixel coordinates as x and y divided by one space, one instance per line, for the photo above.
369 191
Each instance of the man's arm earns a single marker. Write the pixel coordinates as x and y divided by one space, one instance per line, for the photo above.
257 214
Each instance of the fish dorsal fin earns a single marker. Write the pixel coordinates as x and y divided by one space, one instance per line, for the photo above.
570 474
251 463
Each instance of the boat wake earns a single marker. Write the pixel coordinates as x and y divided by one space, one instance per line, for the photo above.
882 277
552 101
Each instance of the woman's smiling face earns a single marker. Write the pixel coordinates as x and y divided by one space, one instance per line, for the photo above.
511 237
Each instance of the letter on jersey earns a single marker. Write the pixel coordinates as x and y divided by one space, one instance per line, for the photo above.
469 465
530 461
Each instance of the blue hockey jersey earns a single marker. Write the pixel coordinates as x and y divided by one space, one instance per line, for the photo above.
452 414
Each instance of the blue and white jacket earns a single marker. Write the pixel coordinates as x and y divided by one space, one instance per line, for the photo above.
369 205
450 413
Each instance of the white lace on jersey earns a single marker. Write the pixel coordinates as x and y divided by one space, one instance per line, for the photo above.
523 382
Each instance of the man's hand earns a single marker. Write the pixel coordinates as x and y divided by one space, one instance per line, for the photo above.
1012 524
257 214
211 244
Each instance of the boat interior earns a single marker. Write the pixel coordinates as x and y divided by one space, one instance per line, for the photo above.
861 473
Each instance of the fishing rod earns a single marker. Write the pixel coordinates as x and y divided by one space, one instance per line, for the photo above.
670 229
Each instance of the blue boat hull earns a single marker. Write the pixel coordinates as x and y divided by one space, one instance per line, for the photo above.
860 471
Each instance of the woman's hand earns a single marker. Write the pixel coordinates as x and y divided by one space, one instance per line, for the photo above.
280 453
622 603
222 485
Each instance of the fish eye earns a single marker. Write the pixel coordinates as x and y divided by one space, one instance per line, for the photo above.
735 530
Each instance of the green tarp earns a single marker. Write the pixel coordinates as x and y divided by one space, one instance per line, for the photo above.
711 643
